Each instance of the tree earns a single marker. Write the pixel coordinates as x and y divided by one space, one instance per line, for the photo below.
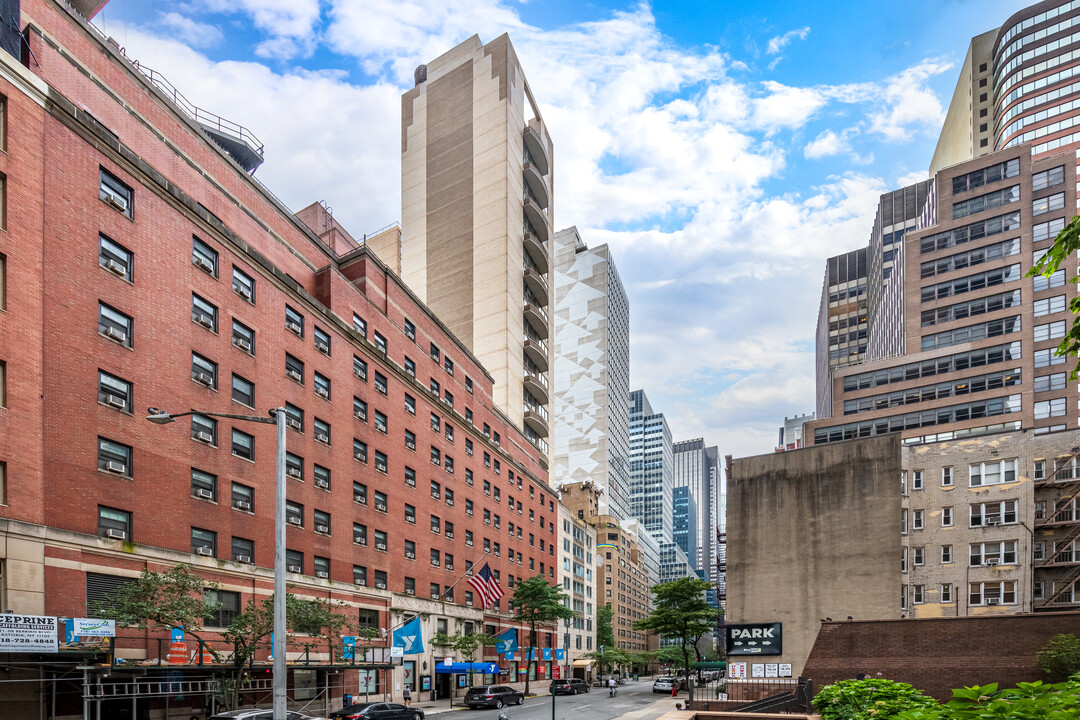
466 645
609 657
159 601
536 602
1060 658
681 614
1065 244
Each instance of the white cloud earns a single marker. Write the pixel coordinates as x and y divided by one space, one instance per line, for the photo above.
826 143
779 42
909 103
291 24
195 34
911 178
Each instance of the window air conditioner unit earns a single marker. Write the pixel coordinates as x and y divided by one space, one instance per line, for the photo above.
294 472
243 559
204 378
242 505
295 327
204 320
242 344
116 534
294 568
450 502
359 373
320 483
381 586
294 521
381 507
203 263
360 582
293 375
116 401
435 495
468 543
205 494
992 561
242 292
323 393
359 541
411 520
449 566
468 603
323 438
322 347
434 596
992 521
117 200
435 563
204 551
380 546
204 437
116 334
116 467
358 456
993 601
322 574
409 592
450 535
410 555
114 267
322 529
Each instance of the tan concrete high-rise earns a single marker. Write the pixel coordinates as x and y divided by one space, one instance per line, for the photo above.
477 211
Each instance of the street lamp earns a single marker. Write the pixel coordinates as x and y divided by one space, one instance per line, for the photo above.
276 417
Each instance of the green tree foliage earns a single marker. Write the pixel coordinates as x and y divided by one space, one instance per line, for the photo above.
605 634
1027 701
1065 244
537 602
681 614
610 658
1060 658
869 699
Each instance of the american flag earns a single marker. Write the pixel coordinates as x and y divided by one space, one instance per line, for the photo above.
484 583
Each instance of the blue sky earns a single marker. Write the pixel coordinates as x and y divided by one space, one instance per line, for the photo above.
722 149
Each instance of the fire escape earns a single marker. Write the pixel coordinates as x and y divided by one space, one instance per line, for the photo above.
1057 509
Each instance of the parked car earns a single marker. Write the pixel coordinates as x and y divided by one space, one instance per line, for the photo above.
569 686
663 684
260 714
493 696
378 711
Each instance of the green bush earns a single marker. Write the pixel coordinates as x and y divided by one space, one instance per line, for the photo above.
1060 658
1027 701
870 699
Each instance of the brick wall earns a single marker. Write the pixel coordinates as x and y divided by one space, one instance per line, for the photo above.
937 655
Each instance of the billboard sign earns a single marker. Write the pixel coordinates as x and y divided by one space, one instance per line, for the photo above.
754 639
28 633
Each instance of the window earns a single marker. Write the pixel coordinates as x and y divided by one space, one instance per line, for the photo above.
946 517
1047 306
1050 408
992 593
946 476
322 341
243 285
994 513
410 404
243 550
1048 357
322 522
294 417
448 365
204 257
359 409
380 540
469 384
294 368
410 514
381 463
436 558
359 534
1046 230
1046 383
449 496
409 586
359 573
115 258
916 519
243 391
917 594
381 422
993 553
359 325
380 342
468 537
436 456
294 466
113 523
380 383
410 367
435 387
436 524
1041 282
468 447
410 477
946 554
112 391
322 477
381 502
114 458
243 445
321 384
448 398
468 476
410 550
410 329
1040 206
203 485
203 542
243 337
435 355
469 509
380 579
449 432
917 480
359 368
992 473
294 561
114 192
946 593
204 371
436 490
410 440
449 464
294 321
243 497
1038 550
204 313
115 325
294 513
359 450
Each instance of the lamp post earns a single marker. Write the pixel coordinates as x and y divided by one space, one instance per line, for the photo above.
276 417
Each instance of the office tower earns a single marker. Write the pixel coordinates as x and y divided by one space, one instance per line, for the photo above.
651 468
979 336
791 432
841 325
592 372
684 520
1016 86
696 468
476 211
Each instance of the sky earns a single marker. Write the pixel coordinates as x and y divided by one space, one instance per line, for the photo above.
722 149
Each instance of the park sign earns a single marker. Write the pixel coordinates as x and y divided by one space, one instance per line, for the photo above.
28 633
754 639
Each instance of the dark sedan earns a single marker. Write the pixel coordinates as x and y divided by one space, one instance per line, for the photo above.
378 711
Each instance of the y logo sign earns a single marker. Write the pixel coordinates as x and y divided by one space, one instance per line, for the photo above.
407 642
409 639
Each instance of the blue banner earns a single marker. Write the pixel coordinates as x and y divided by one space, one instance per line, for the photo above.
348 650
560 654
408 638
464 667
507 642
547 653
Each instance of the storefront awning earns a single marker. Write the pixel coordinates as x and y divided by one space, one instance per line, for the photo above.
462 668
582 663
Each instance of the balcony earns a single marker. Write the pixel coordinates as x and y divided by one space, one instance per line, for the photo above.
537 419
536 316
536 350
535 215
537 251
534 181
537 148
537 384
537 284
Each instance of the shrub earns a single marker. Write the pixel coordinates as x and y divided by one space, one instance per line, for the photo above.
870 699
1027 701
1060 658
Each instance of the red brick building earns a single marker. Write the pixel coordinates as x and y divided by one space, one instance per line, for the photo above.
140 266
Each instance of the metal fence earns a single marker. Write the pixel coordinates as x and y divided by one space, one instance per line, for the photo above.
754 695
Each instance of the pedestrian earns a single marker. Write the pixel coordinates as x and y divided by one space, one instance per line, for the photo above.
674 687
406 695
611 686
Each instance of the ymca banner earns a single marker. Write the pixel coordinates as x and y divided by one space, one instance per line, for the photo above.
507 642
408 638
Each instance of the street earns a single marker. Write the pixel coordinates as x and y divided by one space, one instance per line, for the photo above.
634 701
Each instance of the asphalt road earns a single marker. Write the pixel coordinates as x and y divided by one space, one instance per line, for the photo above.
633 699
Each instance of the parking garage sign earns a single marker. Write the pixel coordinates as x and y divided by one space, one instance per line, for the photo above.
754 639
28 633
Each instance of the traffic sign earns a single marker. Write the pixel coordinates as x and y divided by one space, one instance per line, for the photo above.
556 672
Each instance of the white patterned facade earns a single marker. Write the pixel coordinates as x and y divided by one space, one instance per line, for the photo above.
592 372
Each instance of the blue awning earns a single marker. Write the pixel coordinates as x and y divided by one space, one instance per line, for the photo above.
462 668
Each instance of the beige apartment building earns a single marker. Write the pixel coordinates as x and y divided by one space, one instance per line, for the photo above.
577 575
477 207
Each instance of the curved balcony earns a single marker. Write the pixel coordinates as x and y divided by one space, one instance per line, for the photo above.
536 184
537 317
537 284
536 351
537 251
536 147
537 419
536 384
536 216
